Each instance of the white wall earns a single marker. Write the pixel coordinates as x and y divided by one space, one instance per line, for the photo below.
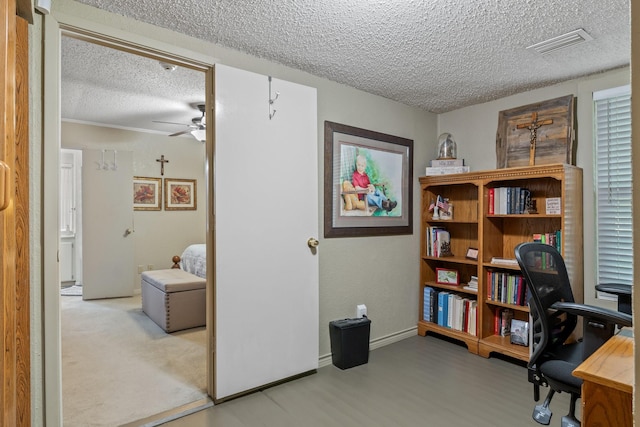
474 129
159 235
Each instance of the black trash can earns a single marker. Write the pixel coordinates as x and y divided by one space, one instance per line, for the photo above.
349 342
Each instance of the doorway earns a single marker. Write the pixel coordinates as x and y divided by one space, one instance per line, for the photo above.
244 132
121 319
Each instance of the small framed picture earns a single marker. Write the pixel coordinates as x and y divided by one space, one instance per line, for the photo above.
180 194
444 276
147 194
519 332
472 253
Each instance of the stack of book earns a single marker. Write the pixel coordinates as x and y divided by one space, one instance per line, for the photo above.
508 200
472 285
450 310
506 288
438 242
446 166
504 261
553 239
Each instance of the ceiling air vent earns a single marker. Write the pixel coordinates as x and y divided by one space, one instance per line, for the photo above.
566 40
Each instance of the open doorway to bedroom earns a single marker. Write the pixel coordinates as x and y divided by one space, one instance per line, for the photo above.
112 351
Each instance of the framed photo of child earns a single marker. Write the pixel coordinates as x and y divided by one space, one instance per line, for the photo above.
367 182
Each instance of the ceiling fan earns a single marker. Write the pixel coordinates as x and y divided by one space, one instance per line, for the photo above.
196 127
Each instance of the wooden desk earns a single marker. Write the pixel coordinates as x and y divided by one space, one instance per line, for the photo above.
607 388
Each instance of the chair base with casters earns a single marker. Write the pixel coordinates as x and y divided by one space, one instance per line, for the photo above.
555 354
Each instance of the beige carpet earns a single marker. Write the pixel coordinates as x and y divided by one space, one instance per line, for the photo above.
118 366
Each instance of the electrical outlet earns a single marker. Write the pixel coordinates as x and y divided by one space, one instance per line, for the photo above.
140 269
361 311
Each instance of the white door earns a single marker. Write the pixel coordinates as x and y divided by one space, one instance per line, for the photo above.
107 224
266 209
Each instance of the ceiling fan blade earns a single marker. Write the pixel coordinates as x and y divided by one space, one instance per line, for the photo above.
170 123
180 133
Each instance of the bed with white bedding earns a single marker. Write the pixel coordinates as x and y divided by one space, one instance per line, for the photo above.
193 260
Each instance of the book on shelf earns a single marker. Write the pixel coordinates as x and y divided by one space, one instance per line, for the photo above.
553 238
446 162
472 285
508 200
492 195
519 332
504 261
443 243
501 201
426 312
505 322
438 241
433 309
443 301
525 200
506 288
450 310
472 321
446 170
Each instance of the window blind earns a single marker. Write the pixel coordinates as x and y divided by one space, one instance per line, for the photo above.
613 186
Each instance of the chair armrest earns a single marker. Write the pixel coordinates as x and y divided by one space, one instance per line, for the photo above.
614 288
599 324
593 312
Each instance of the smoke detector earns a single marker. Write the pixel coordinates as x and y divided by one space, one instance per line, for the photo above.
168 67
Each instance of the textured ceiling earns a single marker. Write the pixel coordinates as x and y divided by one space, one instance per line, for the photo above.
438 55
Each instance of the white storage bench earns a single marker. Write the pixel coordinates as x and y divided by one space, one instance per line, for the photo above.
174 299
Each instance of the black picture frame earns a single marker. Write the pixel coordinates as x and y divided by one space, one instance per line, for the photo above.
472 253
389 167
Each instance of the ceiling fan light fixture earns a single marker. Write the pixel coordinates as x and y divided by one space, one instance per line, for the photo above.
569 39
199 134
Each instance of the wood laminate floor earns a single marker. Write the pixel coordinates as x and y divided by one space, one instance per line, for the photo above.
420 381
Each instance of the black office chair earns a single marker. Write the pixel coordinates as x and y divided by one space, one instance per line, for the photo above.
555 354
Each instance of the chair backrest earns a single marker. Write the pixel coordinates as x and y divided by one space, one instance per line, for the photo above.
546 275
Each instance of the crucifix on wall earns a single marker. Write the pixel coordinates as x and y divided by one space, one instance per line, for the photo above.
162 162
533 127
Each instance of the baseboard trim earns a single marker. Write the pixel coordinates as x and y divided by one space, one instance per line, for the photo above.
173 414
325 360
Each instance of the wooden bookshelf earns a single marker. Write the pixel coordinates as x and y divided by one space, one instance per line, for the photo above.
497 235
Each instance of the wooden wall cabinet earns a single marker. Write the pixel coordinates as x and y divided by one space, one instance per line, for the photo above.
497 235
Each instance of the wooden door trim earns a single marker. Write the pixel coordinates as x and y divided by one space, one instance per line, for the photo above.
15 391
23 267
